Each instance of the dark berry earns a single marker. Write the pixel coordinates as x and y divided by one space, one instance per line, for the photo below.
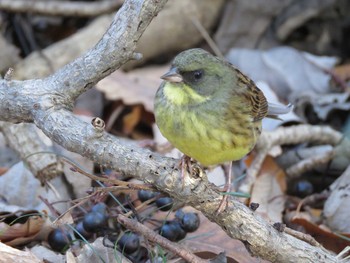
164 203
302 188
100 208
82 231
179 214
190 222
94 221
145 195
172 231
129 243
59 239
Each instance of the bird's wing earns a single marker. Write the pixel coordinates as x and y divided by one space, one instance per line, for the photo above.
254 96
259 103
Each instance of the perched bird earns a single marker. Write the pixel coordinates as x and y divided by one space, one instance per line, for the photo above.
209 110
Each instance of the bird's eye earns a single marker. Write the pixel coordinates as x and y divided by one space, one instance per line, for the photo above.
197 75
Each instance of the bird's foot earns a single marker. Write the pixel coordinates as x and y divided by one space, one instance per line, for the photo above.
227 188
224 201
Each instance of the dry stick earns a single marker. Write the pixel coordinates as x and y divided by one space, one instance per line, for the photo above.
342 254
287 135
82 201
121 184
207 37
305 237
60 8
312 199
144 204
308 164
149 234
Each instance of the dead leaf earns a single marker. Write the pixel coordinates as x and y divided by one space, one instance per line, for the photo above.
97 251
322 234
235 28
45 253
67 218
269 189
10 254
132 119
210 240
337 207
289 72
135 87
342 71
15 234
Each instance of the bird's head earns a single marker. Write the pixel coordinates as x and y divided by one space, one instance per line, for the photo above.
198 70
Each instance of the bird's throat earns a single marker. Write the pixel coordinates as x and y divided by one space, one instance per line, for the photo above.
181 94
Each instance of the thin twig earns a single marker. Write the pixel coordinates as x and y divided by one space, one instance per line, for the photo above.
207 37
120 184
305 237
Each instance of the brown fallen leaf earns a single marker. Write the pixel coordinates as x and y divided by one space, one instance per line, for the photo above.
210 240
330 240
135 87
14 234
269 189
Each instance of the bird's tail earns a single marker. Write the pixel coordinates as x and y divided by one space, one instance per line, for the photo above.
278 109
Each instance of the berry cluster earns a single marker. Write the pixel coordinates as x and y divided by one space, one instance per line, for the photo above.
99 221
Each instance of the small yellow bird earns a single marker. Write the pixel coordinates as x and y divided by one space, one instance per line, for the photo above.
209 110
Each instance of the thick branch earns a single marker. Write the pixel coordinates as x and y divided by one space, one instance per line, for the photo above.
60 8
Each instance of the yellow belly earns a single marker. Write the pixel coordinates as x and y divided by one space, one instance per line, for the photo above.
201 140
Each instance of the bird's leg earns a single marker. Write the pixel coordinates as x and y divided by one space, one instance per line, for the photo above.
226 189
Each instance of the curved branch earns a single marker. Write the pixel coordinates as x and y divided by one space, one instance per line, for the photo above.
115 48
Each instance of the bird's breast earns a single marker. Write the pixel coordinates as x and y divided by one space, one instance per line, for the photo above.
202 132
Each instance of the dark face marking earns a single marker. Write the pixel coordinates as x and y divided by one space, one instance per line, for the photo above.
192 77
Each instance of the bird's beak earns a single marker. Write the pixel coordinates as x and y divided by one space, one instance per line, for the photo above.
172 75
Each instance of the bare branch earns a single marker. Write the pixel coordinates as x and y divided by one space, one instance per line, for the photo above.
60 8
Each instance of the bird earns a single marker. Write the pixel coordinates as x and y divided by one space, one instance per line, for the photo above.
210 110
